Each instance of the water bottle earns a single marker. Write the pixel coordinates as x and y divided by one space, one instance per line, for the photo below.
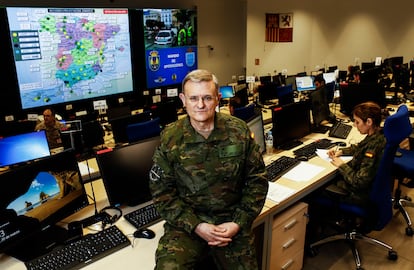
269 142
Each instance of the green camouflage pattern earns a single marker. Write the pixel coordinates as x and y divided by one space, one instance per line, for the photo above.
214 180
359 173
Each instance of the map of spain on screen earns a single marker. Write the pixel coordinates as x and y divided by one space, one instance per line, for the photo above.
68 54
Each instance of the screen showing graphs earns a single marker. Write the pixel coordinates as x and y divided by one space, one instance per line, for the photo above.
68 54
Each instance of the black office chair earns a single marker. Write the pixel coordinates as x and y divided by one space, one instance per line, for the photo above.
404 169
143 130
360 220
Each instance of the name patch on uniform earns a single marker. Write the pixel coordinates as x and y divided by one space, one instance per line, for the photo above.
231 150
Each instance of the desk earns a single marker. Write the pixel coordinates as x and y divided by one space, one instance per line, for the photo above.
142 253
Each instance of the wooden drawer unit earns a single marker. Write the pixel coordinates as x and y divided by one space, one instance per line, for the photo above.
288 238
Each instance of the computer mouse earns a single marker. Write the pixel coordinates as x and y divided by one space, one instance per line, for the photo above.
144 233
302 158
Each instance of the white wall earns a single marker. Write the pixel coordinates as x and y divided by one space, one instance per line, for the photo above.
328 32
221 24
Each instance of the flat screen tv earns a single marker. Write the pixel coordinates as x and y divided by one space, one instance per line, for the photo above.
170 37
39 195
69 54
23 147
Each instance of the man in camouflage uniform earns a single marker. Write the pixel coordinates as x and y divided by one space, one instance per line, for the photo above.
52 128
208 182
358 174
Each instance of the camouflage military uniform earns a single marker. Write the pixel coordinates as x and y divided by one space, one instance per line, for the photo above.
214 180
52 133
359 173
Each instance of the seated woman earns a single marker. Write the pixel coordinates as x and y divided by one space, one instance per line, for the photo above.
356 175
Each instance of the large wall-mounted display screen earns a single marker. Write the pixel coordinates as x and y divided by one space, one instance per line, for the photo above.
69 54
170 38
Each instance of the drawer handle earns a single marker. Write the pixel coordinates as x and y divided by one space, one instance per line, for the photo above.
290 224
287 265
289 243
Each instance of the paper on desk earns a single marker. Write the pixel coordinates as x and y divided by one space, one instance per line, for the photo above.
323 154
303 172
278 192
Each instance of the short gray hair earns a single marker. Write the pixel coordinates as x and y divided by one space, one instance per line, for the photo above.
200 75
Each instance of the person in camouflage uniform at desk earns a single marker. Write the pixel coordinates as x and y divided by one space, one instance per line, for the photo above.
208 182
358 174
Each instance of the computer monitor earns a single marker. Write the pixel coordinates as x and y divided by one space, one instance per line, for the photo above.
278 79
166 111
329 77
319 106
256 126
332 68
285 94
267 93
125 172
291 80
353 94
23 147
226 91
11 128
367 65
304 83
291 122
38 196
119 125
242 92
265 79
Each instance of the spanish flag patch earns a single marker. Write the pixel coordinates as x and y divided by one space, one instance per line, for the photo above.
369 154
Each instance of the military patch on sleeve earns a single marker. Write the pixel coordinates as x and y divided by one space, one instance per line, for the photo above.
369 154
156 173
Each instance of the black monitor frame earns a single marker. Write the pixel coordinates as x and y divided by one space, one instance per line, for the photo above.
291 122
352 94
125 172
256 126
35 228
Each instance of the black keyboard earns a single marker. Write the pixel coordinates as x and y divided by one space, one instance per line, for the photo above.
143 217
309 150
340 130
82 252
280 166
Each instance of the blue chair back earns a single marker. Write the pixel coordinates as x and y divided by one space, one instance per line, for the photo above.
143 130
397 127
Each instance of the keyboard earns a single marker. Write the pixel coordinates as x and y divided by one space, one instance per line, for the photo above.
340 130
309 150
82 252
280 166
143 217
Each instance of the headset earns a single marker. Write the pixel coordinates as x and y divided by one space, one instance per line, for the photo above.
111 214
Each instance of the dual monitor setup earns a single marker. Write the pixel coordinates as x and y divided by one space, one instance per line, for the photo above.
44 190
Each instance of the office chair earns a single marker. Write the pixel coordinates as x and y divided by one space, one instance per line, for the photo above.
404 168
361 220
245 113
143 130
